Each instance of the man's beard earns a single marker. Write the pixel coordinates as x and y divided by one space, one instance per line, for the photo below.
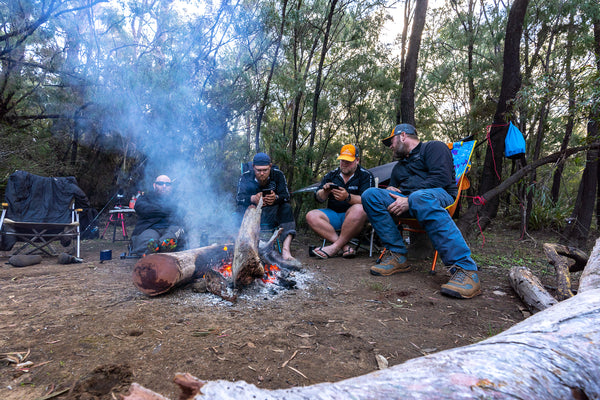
400 152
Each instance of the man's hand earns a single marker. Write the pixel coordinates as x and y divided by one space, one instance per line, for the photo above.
399 206
340 194
269 199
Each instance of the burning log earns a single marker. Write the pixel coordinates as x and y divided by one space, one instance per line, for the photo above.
552 354
269 256
247 265
160 272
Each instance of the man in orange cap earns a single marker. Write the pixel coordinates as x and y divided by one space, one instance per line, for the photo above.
342 188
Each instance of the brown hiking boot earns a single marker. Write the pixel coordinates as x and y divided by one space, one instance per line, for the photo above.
463 284
390 263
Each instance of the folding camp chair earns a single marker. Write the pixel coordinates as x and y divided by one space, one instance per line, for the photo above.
461 153
40 211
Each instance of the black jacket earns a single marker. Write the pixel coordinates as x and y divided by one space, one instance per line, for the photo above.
429 165
248 186
358 183
155 211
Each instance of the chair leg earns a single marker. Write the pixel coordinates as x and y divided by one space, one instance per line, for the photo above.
435 257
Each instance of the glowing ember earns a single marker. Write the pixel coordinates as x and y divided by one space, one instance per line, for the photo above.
225 270
270 275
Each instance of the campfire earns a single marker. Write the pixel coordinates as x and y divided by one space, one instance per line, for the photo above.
225 269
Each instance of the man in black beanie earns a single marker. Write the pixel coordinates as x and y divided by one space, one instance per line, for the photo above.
267 182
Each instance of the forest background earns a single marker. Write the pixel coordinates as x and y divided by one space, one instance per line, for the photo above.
116 92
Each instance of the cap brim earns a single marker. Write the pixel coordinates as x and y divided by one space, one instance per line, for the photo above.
346 158
388 140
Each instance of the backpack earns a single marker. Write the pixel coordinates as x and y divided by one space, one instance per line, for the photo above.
514 143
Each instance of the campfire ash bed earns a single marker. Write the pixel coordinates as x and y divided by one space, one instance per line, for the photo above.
222 269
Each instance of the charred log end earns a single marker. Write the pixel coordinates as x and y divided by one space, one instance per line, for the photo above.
190 386
218 285
156 274
252 269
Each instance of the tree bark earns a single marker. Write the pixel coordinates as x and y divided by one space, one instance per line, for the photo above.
263 104
160 272
578 229
530 289
407 96
246 264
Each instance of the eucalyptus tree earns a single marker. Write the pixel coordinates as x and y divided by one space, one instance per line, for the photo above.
588 194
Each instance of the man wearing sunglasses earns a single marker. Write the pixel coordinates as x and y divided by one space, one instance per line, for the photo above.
158 227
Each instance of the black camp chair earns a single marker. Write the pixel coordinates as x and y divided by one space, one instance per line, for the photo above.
40 211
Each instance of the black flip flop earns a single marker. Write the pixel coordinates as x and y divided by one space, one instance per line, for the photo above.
320 249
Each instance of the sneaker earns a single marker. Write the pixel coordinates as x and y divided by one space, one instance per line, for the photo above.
390 263
152 246
463 284
168 245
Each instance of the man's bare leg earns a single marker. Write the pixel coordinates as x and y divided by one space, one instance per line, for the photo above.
285 248
353 224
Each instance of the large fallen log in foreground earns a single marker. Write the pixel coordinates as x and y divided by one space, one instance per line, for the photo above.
552 355
160 272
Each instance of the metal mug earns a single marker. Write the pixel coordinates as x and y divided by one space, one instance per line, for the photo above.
105 255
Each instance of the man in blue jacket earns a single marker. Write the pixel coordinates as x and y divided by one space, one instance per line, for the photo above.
267 182
422 184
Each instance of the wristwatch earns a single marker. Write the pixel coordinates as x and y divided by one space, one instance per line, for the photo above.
349 198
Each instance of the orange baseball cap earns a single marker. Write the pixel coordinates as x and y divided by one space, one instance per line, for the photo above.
349 153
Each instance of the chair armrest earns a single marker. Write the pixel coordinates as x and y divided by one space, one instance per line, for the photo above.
4 205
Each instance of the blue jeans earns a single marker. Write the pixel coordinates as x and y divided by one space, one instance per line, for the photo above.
427 206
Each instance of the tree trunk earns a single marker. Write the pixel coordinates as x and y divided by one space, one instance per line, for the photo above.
160 272
578 228
318 84
557 176
407 96
263 104
553 354
511 83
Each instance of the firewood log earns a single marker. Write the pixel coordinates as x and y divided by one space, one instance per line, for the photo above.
160 272
530 289
246 264
565 260
553 354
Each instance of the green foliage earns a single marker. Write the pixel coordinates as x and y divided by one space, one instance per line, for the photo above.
116 92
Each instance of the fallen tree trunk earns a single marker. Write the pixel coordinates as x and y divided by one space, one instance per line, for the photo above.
530 289
246 264
160 272
565 260
553 354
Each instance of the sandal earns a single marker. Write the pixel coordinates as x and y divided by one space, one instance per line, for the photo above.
319 252
349 253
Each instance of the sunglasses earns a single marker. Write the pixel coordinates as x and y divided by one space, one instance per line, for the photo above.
162 183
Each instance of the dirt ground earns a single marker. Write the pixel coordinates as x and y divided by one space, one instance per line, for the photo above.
88 332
